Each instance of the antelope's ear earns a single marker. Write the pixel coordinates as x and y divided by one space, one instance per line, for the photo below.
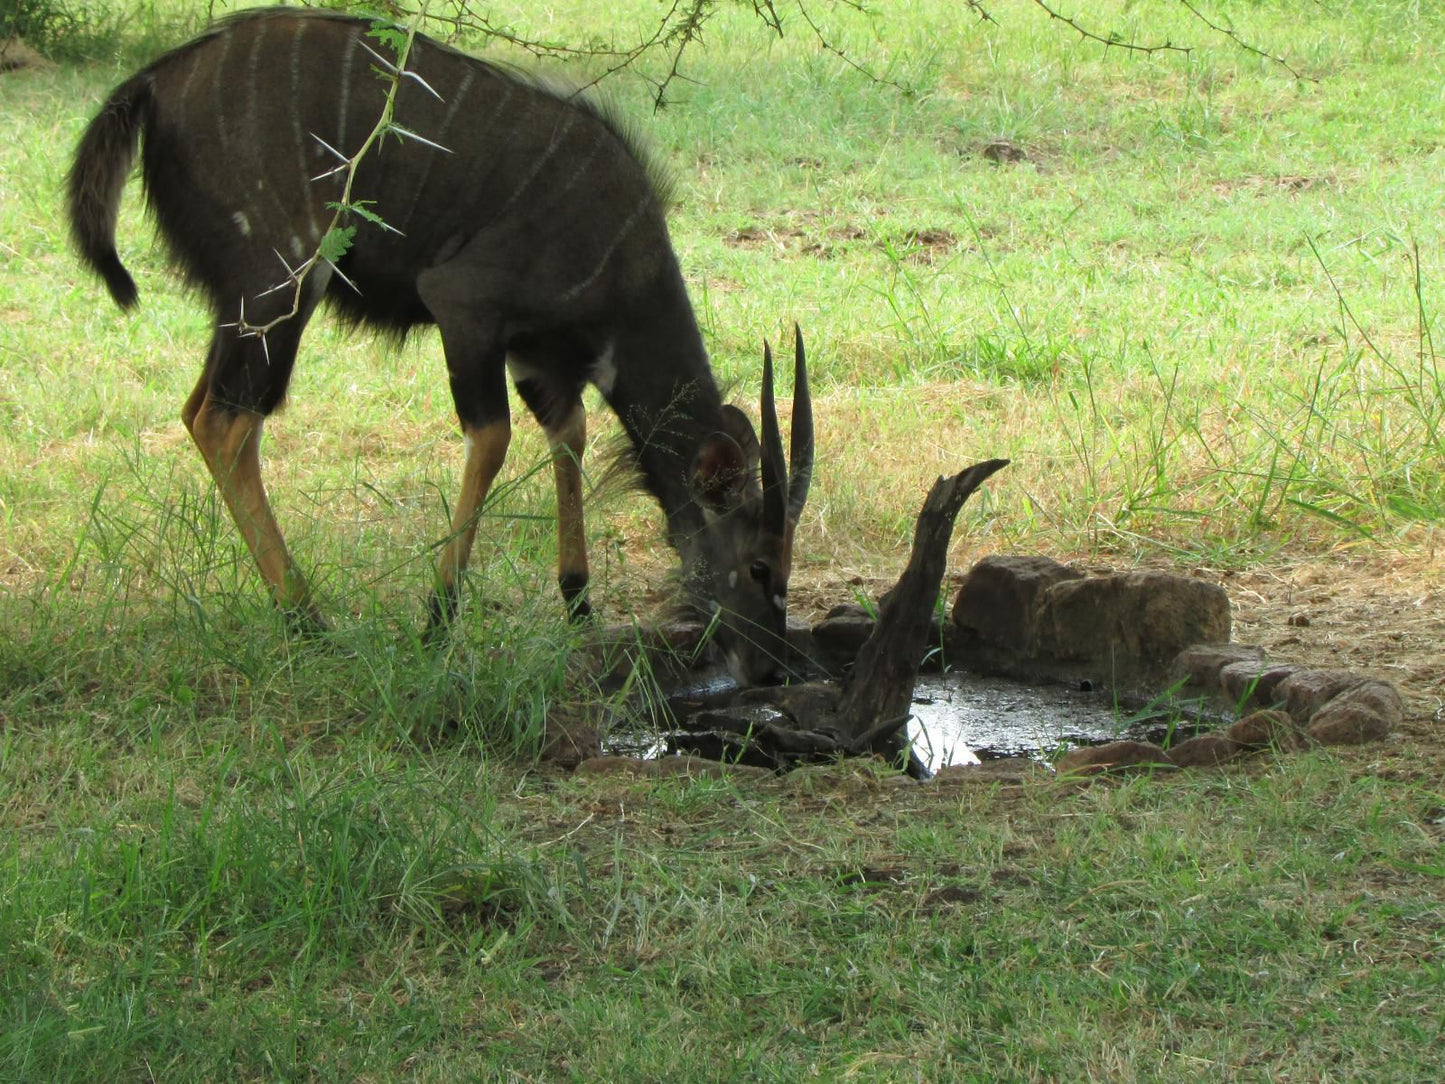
720 473
737 426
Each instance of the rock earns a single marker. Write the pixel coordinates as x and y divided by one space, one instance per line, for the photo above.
997 600
1133 624
840 637
1205 751
668 650
700 768
1198 666
1004 150
605 766
1000 771
663 768
1367 711
1113 757
1306 691
1265 729
684 637
569 739
802 648
1348 726
1253 684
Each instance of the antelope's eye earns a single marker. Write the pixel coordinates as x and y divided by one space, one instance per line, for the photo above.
759 571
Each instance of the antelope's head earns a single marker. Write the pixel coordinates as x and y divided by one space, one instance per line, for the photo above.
737 565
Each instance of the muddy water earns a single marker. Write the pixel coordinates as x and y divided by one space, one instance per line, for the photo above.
962 719
957 719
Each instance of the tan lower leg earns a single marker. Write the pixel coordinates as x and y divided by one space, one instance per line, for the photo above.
568 442
486 450
230 444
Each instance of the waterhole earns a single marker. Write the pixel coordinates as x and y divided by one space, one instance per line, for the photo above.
956 719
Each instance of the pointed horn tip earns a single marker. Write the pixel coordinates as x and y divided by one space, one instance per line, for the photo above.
768 381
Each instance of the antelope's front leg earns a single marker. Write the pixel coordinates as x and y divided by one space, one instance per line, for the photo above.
568 441
486 450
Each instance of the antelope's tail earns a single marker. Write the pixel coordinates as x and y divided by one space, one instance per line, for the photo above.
97 178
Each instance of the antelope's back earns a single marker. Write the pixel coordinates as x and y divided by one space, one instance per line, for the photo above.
551 209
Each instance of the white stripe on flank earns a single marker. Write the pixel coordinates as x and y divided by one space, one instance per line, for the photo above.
347 61
216 77
456 102
303 174
622 233
253 87
185 95
269 226
586 162
558 134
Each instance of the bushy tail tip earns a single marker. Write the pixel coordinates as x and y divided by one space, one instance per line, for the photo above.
97 178
117 279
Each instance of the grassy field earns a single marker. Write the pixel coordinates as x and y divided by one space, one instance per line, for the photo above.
1199 317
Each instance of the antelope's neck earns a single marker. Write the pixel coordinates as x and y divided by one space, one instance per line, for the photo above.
666 397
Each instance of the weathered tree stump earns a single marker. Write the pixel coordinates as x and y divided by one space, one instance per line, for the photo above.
879 693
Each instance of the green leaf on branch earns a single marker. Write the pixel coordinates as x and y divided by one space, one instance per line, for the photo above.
337 241
390 35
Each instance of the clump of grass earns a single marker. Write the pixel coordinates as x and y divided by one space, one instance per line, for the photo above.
81 30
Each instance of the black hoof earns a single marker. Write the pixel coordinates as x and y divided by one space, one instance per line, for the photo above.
441 612
306 624
574 593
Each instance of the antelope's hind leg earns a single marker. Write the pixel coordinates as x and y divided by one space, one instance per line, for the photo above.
243 383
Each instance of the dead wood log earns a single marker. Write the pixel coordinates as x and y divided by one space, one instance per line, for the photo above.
878 696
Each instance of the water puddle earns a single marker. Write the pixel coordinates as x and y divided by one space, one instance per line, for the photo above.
957 719
964 719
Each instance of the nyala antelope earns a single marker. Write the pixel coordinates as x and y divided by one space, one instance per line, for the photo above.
530 230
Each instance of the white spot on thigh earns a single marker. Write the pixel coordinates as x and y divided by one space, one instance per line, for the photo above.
733 578
604 370
520 370
297 248
242 223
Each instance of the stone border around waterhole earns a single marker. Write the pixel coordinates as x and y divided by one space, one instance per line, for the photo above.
1035 620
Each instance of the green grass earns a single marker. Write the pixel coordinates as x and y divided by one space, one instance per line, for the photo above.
1200 318
352 920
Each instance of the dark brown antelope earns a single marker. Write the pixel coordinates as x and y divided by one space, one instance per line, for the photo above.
529 229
